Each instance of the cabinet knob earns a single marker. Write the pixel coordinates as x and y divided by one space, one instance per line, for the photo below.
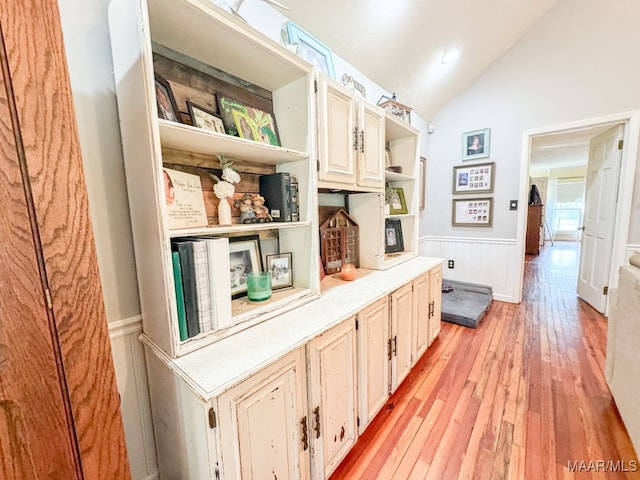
305 438
316 426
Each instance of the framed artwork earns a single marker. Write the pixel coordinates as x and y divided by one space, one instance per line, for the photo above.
245 257
248 122
397 202
472 212
393 241
423 182
474 178
281 268
165 101
204 118
311 49
476 144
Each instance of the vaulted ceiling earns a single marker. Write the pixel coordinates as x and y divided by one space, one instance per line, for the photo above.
399 44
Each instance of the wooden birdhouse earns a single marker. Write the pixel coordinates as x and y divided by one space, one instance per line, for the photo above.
339 239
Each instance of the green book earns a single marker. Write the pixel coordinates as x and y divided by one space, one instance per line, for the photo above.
177 276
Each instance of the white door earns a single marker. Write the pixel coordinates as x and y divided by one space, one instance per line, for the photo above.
371 145
603 172
401 330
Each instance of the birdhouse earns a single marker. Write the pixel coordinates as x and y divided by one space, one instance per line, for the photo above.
339 239
395 108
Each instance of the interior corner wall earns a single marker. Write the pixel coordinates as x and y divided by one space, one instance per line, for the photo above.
578 62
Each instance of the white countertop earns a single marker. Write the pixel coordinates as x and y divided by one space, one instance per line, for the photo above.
215 368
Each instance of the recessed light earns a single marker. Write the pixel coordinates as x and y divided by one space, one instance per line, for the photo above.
451 55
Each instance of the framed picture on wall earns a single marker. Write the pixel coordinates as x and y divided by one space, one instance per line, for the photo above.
472 212
475 144
473 178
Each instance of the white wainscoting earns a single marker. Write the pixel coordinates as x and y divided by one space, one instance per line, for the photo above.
631 249
131 377
487 261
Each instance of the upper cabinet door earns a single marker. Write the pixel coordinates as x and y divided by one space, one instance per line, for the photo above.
370 145
338 135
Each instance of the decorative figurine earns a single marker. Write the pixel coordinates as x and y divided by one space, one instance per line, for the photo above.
262 212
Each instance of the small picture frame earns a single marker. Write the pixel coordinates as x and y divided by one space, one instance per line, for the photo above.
393 242
245 256
472 212
476 144
165 101
473 178
397 202
311 49
204 118
281 268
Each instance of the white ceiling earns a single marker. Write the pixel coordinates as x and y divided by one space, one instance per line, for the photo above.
399 44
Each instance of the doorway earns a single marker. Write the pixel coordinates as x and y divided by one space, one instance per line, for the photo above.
559 147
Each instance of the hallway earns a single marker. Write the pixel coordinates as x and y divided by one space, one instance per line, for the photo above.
521 397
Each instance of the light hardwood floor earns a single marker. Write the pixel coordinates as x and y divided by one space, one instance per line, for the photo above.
520 397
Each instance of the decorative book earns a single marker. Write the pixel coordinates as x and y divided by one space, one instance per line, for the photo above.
184 200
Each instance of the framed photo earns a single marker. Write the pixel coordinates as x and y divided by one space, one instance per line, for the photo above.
423 182
476 144
474 178
472 212
206 119
311 49
248 122
245 257
281 268
397 202
165 101
393 241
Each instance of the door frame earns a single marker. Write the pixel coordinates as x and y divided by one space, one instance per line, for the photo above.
631 121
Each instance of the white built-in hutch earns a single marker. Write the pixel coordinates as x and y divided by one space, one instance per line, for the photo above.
284 388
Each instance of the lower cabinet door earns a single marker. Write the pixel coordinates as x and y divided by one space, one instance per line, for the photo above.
401 334
435 303
332 396
263 423
421 316
373 360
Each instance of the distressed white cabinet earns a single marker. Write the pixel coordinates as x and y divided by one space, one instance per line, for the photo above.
332 396
350 141
374 357
263 423
401 334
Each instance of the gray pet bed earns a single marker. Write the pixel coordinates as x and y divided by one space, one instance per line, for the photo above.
466 304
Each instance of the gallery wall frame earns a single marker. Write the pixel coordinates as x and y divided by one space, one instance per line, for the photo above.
472 212
477 178
476 144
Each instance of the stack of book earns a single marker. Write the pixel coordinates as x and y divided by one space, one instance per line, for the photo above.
202 283
280 191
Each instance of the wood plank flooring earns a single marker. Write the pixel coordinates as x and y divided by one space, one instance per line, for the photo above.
518 398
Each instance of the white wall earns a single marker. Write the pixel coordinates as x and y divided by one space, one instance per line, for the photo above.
579 62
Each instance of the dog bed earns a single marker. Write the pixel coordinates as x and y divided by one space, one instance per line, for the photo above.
465 303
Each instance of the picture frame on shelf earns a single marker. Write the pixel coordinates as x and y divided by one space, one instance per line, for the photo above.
476 144
472 212
393 241
311 49
165 101
397 202
281 268
204 118
248 122
245 256
423 182
478 178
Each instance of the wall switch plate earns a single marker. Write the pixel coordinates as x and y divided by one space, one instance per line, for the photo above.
513 205
450 264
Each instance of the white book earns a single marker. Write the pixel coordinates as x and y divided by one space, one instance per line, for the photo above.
219 282
204 300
